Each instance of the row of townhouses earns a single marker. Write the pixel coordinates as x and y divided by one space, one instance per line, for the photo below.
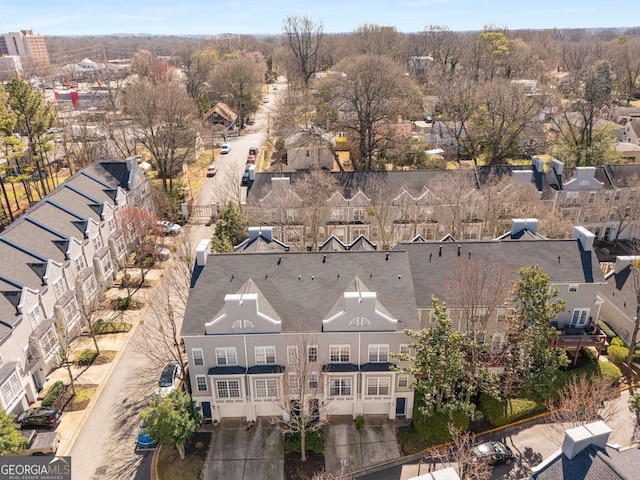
475 204
256 317
64 252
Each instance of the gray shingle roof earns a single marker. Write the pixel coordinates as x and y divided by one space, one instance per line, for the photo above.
435 273
619 290
38 238
594 463
300 287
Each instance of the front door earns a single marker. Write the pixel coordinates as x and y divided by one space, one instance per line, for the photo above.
206 410
400 405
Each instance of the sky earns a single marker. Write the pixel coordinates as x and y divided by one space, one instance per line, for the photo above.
201 17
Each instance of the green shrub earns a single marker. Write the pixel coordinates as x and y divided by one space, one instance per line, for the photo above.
589 355
634 403
608 331
52 394
617 342
86 357
498 413
617 354
314 442
435 428
610 371
359 422
122 303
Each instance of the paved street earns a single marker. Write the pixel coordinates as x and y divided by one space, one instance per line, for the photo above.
531 442
101 442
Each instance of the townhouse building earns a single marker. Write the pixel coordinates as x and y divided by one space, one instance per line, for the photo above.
396 206
58 257
254 319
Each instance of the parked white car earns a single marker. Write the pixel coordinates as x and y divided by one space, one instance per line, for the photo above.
169 379
225 148
169 228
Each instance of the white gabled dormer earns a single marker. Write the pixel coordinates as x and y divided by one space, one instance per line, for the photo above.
358 310
246 312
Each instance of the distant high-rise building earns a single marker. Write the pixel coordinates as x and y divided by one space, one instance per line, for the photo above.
31 48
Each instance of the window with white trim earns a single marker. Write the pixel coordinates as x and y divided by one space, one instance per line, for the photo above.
49 344
266 388
378 353
378 386
404 349
580 317
359 214
112 224
58 288
198 356
312 353
339 353
79 263
403 380
11 388
313 380
265 355
121 247
226 356
90 286
107 266
573 288
35 316
201 382
496 342
294 384
340 387
71 313
292 354
97 242
359 322
228 388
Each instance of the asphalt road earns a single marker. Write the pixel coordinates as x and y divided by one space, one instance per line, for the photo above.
104 447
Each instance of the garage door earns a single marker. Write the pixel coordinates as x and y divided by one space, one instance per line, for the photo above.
231 409
376 408
266 409
337 407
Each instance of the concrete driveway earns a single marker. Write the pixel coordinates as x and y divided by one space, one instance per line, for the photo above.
237 454
347 449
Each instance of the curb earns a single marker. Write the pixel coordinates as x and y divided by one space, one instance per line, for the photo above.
153 468
422 453
103 383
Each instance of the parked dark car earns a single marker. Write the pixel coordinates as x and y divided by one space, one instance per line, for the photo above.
245 179
42 417
492 453
253 151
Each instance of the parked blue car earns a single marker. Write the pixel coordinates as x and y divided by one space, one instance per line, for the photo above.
145 442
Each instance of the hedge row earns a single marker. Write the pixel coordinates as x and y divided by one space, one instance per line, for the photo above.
435 428
52 394
314 442
499 412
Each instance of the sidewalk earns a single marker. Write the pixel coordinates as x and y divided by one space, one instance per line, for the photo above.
72 421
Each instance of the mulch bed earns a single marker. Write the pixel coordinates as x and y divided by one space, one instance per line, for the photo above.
106 356
198 445
68 403
295 469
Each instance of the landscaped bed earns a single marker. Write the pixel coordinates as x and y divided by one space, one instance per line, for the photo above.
171 467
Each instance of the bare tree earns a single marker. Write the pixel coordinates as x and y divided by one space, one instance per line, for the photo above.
372 92
583 400
161 341
163 116
635 275
481 288
238 80
305 38
300 401
313 189
460 453
377 40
